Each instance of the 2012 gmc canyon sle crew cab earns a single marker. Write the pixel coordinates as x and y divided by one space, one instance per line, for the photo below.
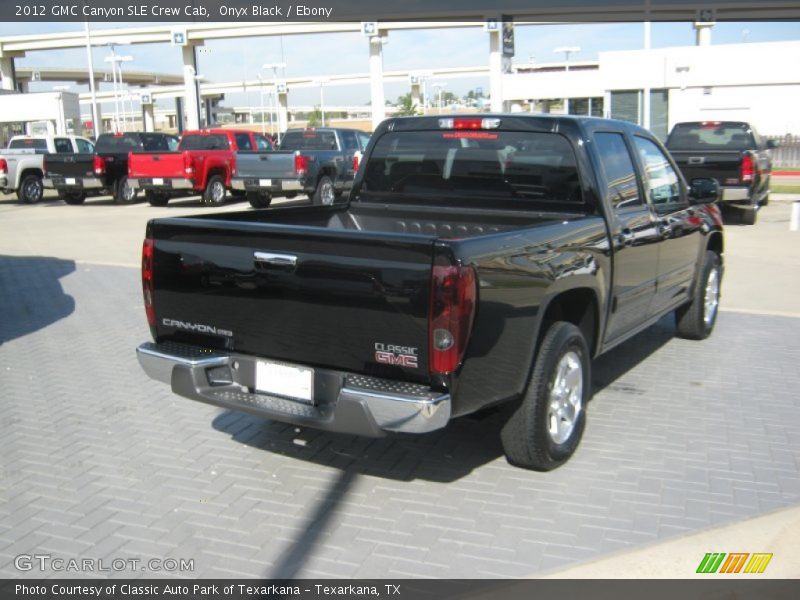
479 261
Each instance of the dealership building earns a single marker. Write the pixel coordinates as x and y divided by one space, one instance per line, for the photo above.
754 82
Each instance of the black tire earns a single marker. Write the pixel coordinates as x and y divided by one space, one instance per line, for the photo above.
259 200
526 435
324 194
30 189
691 317
124 193
156 198
73 198
765 200
748 216
215 193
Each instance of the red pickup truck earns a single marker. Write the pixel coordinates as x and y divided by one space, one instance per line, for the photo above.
203 164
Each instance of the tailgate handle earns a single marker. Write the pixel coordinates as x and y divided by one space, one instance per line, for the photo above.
287 261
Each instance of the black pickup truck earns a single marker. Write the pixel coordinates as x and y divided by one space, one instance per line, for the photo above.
106 170
479 261
731 152
319 162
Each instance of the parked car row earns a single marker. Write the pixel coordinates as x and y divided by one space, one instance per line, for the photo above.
319 162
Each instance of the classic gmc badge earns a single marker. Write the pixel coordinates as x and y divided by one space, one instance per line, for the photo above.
390 354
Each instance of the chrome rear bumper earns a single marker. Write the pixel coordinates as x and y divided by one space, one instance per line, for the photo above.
343 402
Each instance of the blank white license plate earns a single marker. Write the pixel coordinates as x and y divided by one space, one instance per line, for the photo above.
158 181
70 181
285 380
265 182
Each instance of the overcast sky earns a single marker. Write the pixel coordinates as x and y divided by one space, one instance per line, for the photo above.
320 55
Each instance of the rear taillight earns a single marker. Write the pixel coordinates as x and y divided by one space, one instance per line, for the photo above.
4 167
453 294
188 165
130 154
356 161
99 165
147 281
300 164
746 169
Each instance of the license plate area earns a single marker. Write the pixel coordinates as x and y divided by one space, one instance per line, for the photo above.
265 182
287 381
69 181
158 181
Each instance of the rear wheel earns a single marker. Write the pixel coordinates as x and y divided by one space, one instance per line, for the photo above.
124 193
30 189
325 194
696 319
215 192
156 198
259 200
546 426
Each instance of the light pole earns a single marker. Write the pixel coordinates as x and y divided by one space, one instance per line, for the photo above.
95 123
261 102
566 51
274 67
438 87
115 59
322 83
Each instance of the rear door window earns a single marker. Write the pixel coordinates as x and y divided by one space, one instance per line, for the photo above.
623 189
262 143
349 140
663 183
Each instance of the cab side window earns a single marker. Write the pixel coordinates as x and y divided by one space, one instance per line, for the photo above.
623 188
661 180
84 146
243 141
349 140
63 146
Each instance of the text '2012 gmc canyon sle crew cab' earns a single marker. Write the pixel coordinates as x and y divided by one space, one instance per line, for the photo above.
731 152
480 261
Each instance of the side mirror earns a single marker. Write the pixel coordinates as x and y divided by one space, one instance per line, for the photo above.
772 144
703 190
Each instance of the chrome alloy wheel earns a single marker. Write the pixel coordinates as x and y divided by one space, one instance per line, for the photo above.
33 190
217 192
326 194
711 297
566 398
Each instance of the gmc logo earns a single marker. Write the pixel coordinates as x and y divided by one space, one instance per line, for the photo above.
390 354
388 358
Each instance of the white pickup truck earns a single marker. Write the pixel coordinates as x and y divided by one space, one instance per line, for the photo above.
21 162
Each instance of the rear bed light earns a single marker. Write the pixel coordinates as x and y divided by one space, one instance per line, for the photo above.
188 165
469 123
99 165
300 164
4 166
147 281
453 294
746 169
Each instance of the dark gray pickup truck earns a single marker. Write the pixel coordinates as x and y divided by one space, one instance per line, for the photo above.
731 152
479 261
319 162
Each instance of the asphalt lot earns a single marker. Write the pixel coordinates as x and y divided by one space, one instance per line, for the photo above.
97 461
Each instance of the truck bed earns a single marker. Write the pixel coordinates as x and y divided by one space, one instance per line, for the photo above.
357 276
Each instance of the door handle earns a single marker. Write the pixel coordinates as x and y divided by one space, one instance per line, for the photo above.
286 261
626 237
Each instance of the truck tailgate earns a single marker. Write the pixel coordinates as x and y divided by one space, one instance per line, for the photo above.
156 164
69 165
345 300
265 165
722 166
